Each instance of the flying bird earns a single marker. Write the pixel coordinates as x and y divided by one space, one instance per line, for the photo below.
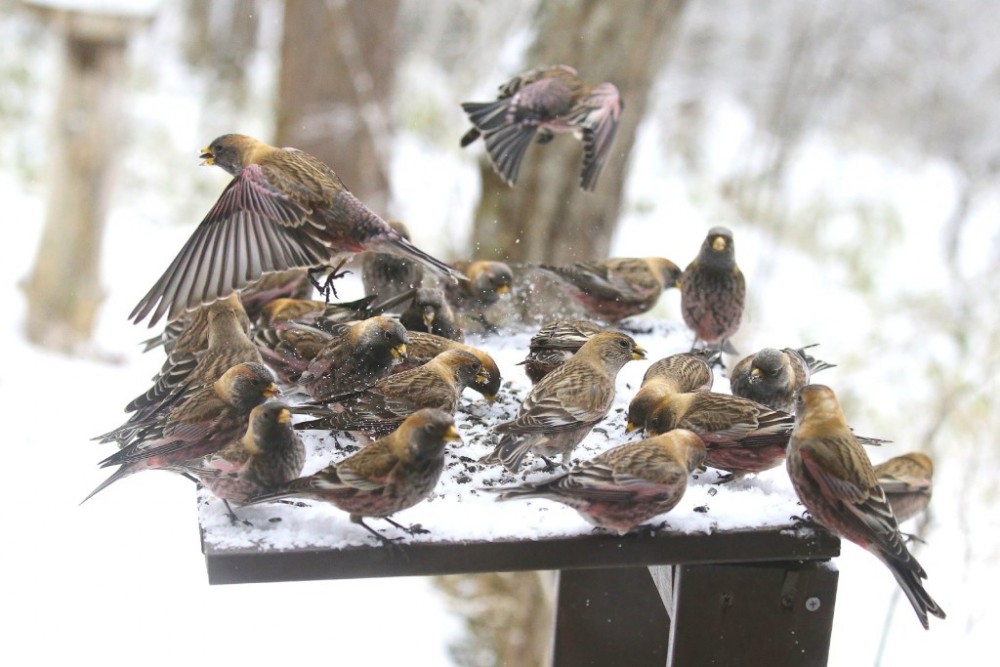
535 105
284 209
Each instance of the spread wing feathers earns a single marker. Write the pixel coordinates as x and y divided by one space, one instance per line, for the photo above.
506 147
603 108
251 230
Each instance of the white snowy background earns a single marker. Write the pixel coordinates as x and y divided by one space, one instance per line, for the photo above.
121 579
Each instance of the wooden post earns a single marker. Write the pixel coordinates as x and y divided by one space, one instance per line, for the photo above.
63 290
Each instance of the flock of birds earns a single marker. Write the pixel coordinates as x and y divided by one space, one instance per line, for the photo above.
243 327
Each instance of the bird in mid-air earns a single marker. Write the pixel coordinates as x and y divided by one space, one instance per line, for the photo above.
537 104
284 209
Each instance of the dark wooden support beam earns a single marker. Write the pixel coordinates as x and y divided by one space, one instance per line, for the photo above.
610 616
752 614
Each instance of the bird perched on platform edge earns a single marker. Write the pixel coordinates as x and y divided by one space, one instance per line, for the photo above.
284 209
834 479
539 103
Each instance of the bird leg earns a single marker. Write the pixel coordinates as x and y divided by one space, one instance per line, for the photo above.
415 529
326 288
232 515
382 538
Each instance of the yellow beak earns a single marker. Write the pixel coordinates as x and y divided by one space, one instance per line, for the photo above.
451 435
719 244
398 353
638 353
207 157
284 416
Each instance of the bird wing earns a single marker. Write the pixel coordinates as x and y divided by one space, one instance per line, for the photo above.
558 406
857 492
251 230
603 109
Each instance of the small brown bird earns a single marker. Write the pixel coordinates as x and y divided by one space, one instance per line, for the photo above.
386 476
429 312
676 374
568 402
291 284
487 282
741 436
626 485
713 291
620 287
834 479
386 275
554 343
343 359
284 209
773 377
268 455
382 407
199 358
196 423
539 103
908 482
425 346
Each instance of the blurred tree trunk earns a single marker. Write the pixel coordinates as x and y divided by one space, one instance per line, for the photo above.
338 63
63 290
220 37
546 216
510 617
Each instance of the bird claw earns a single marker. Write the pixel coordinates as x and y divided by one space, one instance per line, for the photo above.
326 287
804 521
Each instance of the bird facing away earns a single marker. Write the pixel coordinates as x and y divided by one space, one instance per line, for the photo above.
773 377
834 479
198 422
386 476
626 485
567 403
269 454
554 343
386 275
713 290
382 407
676 374
425 346
284 209
620 287
908 482
539 103
741 436
429 311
